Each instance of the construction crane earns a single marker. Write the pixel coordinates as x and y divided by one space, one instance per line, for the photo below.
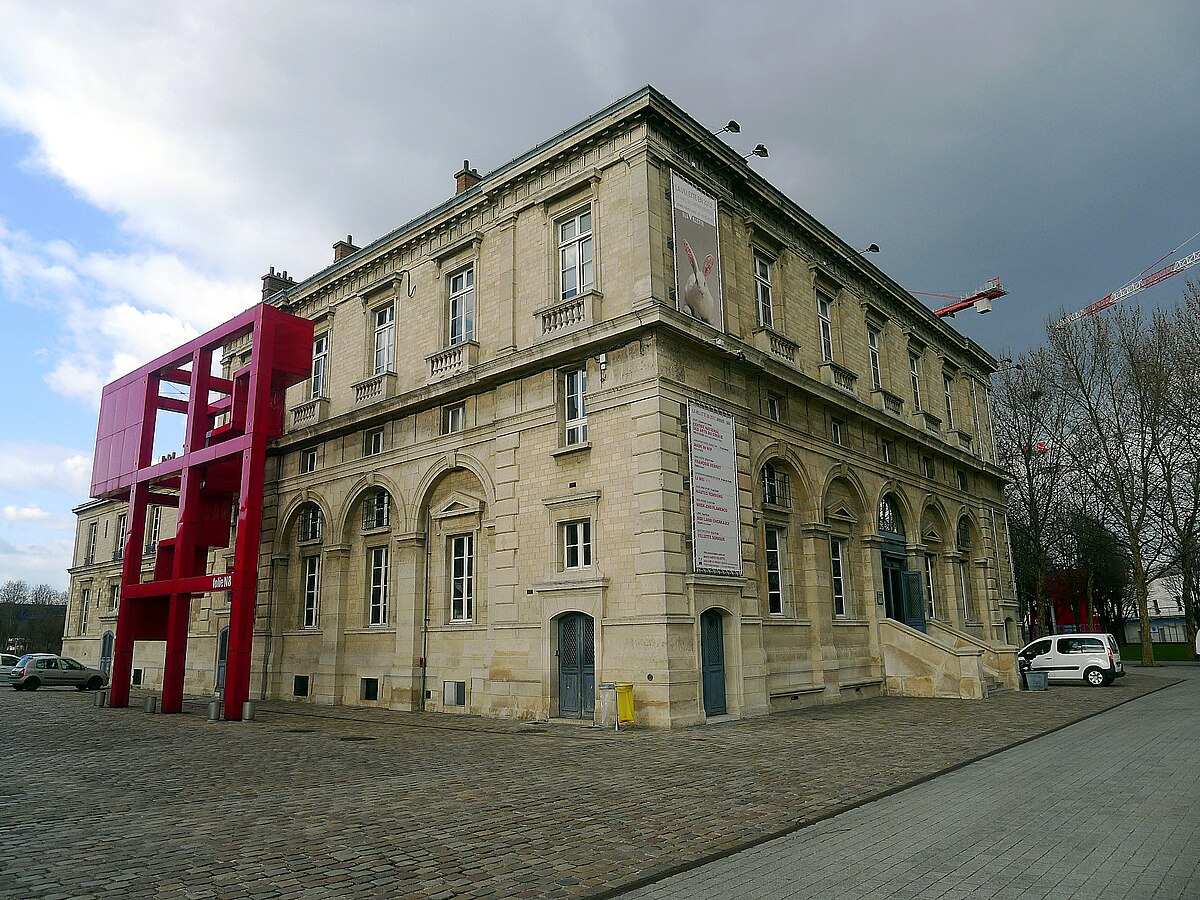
981 299
1140 283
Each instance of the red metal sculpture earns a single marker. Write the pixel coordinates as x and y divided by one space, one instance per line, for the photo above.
229 422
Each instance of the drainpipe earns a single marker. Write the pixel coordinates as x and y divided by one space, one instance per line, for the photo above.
262 690
425 614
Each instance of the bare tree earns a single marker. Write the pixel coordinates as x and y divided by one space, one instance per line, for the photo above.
1117 381
1029 416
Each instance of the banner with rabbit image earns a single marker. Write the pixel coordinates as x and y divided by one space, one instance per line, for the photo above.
697 254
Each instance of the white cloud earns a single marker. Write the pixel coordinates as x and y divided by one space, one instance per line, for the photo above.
14 513
31 465
36 562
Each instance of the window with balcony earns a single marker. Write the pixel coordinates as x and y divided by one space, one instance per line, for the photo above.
914 374
319 361
948 387
122 535
873 338
89 555
385 335
825 326
377 510
762 290
575 254
461 312
154 514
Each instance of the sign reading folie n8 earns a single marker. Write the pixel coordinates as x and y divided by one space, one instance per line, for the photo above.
716 518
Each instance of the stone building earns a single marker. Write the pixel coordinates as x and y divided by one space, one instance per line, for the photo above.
618 411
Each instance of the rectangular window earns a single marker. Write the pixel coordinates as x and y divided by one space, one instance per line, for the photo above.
762 290
963 483
308 460
927 466
320 357
575 254
377 510
373 442
310 524
825 323
368 689
575 403
85 601
153 528
462 306
90 555
774 408
299 685
835 430
873 347
577 544
385 333
837 552
462 577
114 597
930 590
453 418
379 586
948 385
122 534
888 451
914 371
777 486
312 590
775 544
454 693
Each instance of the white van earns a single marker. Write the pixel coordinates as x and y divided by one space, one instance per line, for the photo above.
1092 658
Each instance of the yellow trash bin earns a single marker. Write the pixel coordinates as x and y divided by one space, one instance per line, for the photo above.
624 702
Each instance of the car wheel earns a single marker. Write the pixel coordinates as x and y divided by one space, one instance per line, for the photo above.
94 684
1095 677
16 687
32 684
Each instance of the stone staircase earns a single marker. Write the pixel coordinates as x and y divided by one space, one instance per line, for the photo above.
943 663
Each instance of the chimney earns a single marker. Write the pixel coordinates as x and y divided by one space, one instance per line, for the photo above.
273 283
342 249
466 178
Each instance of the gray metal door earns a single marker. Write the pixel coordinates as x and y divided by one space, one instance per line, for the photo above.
106 652
576 666
222 656
712 663
914 601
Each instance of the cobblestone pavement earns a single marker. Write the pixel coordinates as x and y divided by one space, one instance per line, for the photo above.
354 803
1107 808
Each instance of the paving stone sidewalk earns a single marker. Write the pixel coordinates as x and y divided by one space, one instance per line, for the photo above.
356 803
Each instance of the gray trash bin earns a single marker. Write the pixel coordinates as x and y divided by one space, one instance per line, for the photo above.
150 704
1036 681
606 707
100 698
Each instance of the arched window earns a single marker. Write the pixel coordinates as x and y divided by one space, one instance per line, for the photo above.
310 523
776 486
890 520
377 510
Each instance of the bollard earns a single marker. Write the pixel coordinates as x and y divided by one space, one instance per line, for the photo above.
100 699
248 711
150 705
214 710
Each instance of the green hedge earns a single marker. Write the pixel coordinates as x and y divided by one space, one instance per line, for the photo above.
1162 652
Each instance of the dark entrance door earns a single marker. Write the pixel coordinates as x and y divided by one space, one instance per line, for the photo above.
903 598
222 656
712 663
106 652
576 666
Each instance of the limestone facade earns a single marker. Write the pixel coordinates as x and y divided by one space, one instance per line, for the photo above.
488 474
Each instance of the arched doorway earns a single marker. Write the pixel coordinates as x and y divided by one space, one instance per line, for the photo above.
106 652
903 596
222 656
576 666
712 662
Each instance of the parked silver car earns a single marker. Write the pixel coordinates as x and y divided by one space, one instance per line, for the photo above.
1092 658
7 661
35 670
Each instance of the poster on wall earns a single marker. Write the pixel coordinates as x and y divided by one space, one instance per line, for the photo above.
716 520
697 254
